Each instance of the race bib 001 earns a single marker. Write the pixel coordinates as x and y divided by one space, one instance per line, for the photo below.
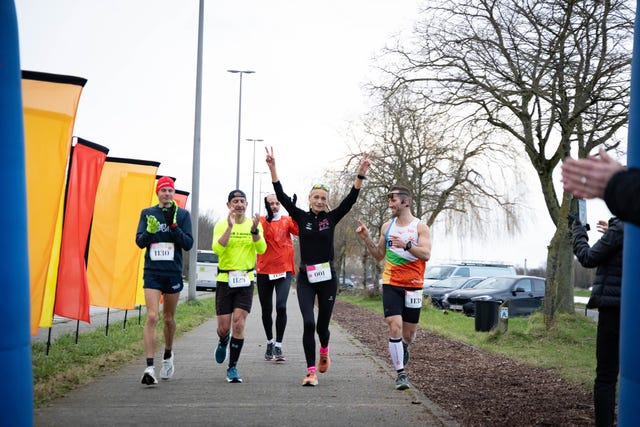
161 251
413 299
238 279
277 276
319 272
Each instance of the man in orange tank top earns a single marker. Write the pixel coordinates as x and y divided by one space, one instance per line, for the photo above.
405 246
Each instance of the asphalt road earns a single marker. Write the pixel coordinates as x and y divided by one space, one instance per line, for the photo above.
358 389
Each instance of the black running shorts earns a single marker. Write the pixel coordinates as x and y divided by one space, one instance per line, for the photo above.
229 298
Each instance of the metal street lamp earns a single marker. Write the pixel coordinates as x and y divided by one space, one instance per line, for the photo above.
253 174
260 191
241 72
195 174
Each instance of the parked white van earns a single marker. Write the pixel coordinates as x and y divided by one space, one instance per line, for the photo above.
206 270
437 272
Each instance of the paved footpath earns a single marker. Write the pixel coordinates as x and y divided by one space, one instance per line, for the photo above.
358 389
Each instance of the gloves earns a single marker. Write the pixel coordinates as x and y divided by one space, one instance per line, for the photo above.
152 224
170 214
267 206
573 218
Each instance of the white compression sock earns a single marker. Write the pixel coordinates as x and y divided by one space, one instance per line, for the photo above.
397 353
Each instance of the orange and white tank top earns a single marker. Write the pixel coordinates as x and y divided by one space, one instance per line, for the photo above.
401 268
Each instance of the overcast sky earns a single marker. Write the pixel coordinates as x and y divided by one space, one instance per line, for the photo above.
139 57
311 61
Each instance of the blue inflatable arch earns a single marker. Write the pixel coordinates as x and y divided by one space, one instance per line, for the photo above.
16 386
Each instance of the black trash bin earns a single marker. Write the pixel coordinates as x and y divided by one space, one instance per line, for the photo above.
486 315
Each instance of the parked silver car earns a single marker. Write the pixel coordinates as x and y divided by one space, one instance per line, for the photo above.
436 272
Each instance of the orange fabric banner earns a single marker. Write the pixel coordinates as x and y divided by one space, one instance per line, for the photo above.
181 198
72 294
112 266
50 103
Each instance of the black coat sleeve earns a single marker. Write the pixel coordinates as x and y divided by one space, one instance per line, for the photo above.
284 200
622 195
590 257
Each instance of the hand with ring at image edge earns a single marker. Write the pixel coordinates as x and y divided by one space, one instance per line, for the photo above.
587 178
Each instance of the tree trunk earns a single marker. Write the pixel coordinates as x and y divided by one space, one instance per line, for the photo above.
559 284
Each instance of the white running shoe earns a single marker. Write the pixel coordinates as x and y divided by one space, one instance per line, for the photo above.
167 369
149 376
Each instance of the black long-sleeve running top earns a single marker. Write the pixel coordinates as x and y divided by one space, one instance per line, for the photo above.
316 230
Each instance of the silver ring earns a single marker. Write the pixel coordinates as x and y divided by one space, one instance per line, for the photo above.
583 180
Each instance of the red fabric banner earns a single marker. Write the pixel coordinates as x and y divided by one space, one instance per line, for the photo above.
72 294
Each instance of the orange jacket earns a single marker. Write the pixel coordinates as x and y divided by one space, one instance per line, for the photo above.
279 255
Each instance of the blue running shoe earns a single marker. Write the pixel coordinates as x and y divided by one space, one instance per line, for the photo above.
221 351
402 382
232 375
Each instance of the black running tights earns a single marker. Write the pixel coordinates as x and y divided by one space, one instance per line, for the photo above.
307 292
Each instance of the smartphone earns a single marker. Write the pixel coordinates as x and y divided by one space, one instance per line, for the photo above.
582 211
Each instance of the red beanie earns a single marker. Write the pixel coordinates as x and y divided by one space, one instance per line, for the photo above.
165 181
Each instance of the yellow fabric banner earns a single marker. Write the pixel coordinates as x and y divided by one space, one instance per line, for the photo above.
114 257
50 103
51 284
153 199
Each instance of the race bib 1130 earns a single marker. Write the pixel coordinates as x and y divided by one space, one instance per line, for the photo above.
161 251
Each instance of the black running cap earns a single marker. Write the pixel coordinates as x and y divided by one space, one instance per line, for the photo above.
236 193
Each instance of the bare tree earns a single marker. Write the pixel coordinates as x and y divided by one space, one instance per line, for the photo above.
421 152
205 230
552 75
444 164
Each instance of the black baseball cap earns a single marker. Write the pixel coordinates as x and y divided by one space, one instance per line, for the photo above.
236 193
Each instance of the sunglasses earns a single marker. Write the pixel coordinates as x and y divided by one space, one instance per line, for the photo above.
324 187
397 193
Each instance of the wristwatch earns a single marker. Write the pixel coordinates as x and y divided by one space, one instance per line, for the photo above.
256 231
408 245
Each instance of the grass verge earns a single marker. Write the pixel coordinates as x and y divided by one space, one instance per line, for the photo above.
581 292
568 348
70 365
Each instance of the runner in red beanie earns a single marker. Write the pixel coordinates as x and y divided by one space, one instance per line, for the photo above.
165 181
